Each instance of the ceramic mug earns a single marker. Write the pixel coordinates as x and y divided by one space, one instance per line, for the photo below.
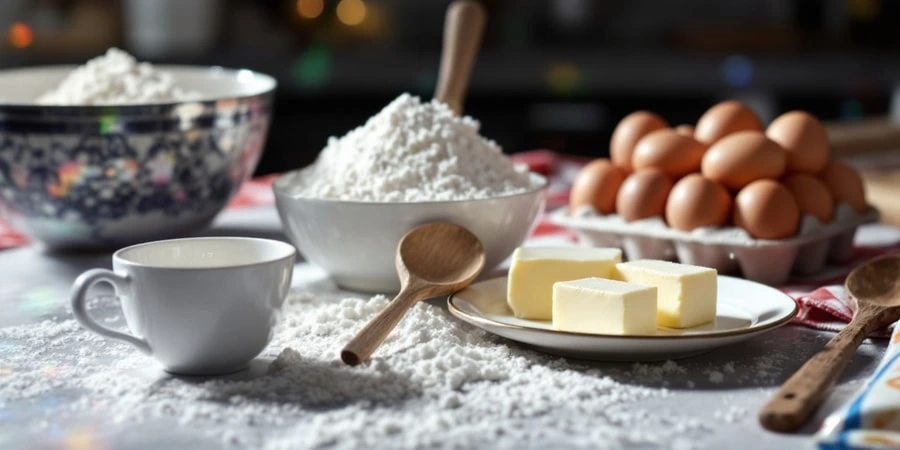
198 305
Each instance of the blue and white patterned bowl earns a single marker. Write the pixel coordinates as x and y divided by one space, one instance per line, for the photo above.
108 176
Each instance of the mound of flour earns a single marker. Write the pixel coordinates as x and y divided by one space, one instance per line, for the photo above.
411 151
116 78
436 382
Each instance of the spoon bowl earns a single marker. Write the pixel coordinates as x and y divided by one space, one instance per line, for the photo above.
876 282
421 248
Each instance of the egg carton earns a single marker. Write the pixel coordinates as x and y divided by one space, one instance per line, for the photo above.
729 249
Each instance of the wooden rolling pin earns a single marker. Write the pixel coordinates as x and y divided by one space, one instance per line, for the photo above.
874 138
863 137
882 189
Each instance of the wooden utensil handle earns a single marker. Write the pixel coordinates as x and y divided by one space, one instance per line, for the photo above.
866 136
463 28
801 394
373 334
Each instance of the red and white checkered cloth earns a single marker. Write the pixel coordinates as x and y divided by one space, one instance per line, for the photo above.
822 300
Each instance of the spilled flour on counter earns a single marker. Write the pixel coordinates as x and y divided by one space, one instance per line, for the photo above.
116 78
436 382
411 151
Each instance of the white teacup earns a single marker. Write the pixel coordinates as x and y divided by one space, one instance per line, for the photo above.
197 305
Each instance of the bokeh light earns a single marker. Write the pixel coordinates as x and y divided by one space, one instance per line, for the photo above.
376 23
43 299
83 438
863 9
351 12
737 70
20 35
564 78
310 9
312 68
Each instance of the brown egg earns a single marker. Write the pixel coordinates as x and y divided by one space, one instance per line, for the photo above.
628 132
812 196
743 157
726 118
803 137
845 185
766 210
686 130
596 185
675 154
696 202
643 194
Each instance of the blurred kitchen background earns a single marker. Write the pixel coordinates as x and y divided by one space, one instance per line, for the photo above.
554 74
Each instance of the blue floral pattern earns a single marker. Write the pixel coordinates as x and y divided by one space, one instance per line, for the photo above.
72 187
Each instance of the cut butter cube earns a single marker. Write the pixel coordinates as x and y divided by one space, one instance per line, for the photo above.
602 306
687 294
535 269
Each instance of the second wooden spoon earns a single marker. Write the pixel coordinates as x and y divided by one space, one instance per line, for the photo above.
875 287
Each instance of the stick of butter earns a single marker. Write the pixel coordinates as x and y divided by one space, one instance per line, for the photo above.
597 305
535 269
687 294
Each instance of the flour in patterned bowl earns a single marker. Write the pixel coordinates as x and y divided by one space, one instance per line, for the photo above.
116 151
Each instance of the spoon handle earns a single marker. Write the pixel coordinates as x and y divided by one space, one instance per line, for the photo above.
373 334
801 394
463 27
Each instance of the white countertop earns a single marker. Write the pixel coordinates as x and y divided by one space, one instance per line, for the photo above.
34 286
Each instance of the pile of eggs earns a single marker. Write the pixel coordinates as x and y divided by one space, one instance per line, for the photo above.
727 170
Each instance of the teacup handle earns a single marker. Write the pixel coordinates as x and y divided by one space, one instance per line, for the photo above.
121 284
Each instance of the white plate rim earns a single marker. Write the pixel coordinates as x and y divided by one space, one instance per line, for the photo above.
486 323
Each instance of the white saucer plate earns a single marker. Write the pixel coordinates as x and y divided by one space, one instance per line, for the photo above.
745 309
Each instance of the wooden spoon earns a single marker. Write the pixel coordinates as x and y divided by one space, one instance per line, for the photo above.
463 28
875 288
432 260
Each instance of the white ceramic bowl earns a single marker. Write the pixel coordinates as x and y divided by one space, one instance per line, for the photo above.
356 242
